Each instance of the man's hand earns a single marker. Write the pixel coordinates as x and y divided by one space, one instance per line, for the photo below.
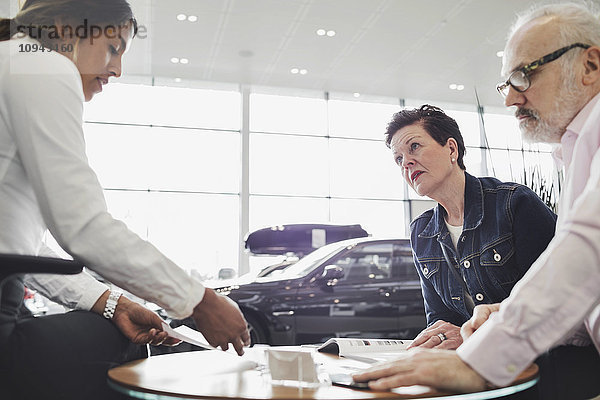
428 338
440 369
140 325
481 313
221 322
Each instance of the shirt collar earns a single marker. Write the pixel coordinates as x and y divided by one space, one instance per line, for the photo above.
577 123
473 215
564 152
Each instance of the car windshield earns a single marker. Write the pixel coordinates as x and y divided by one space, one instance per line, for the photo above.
307 263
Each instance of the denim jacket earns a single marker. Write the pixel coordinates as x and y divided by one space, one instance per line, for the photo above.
506 227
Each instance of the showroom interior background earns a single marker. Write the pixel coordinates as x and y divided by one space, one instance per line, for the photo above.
194 166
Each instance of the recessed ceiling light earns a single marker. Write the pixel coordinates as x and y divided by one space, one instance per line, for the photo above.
323 32
192 18
174 60
303 71
294 70
454 86
177 80
499 53
181 17
184 60
356 94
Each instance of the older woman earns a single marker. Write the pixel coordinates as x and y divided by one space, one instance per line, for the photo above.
481 237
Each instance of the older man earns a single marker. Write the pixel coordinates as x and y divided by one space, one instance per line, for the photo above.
552 65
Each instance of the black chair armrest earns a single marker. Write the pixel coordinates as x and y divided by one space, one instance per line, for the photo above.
14 265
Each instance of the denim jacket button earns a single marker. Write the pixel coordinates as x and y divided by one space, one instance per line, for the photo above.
497 257
425 270
479 297
467 264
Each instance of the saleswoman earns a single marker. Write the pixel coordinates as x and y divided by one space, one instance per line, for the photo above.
54 55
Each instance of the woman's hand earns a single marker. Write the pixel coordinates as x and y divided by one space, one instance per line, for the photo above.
433 336
221 322
481 313
440 369
136 322
141 325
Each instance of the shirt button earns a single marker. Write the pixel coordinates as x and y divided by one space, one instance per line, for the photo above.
462 239
479 297
511 368
497 257
467 264
425 270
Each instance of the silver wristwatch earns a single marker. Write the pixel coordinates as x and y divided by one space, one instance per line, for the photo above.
111 304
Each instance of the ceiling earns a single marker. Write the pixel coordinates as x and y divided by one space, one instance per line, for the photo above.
411 49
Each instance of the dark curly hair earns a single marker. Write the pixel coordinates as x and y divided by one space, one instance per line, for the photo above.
436 123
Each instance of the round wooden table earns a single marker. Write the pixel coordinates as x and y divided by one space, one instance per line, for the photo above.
218 375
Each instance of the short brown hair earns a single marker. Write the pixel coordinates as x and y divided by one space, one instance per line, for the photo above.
436 123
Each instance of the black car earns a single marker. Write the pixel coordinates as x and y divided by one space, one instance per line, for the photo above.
361 287
272 270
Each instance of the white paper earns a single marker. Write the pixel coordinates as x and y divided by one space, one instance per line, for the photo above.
372 358
366 350
234 363
353 346
187 335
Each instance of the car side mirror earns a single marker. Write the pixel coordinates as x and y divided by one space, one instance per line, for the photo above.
331 272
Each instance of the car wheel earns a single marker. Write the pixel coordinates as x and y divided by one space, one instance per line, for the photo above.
257 332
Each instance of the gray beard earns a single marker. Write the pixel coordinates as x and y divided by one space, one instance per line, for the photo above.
566 106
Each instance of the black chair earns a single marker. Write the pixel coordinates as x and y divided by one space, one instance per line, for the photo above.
12 265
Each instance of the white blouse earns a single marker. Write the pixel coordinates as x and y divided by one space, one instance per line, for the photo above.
47 183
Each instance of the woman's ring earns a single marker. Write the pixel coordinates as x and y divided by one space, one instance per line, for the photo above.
442 337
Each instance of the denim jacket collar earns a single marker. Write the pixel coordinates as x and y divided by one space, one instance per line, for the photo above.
473 210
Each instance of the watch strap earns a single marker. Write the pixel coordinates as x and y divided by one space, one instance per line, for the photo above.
111 304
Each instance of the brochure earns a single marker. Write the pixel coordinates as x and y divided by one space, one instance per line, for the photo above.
366 350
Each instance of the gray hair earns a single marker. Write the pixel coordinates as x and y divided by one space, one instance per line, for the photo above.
578 23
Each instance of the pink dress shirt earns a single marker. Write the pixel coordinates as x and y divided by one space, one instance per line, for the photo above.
562 288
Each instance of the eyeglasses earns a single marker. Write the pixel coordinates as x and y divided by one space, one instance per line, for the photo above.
519 79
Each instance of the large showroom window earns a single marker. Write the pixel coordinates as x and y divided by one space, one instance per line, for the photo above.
170 159
170 168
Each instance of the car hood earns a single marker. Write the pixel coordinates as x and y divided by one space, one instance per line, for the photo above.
219 283
247 281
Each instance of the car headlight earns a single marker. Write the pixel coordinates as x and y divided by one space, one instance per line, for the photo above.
226 290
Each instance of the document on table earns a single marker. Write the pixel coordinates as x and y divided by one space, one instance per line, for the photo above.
366 350
187 335
233 364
